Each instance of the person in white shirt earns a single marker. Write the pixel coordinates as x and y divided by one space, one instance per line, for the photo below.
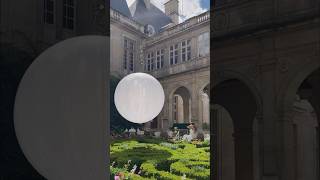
193 133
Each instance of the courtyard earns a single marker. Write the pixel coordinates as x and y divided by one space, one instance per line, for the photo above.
159 158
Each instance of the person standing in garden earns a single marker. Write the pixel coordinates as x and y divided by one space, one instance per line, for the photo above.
193 133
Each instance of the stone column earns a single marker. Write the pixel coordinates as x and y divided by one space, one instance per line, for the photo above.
170 110
204 112
269 138
166 112
287 157
195 105
243 139
257 146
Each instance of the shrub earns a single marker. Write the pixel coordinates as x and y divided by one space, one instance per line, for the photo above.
150 171
205 143
198 172
169 145
164 165
158 159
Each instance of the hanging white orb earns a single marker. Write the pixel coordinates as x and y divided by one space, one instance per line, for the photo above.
60 114
139 97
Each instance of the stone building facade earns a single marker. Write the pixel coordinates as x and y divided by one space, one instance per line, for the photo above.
177 54
35 25
265 67
27 28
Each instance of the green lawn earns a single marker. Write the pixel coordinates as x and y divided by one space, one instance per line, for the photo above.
161 160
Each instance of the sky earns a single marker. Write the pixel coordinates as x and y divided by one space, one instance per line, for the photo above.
188 8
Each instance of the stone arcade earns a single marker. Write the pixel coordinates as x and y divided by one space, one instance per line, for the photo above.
266 96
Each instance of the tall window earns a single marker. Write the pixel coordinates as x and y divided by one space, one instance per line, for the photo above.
150 61
203 44
128 54
69 14
174 54
48 11
185 50
160 58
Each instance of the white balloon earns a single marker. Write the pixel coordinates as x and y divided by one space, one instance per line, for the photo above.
139 97
60 110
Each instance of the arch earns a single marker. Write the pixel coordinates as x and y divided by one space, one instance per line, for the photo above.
225 143
177 86
228 74
241 103
181 104
298 85
204 85
288 90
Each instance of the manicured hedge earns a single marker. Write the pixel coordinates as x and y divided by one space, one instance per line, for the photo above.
162 160
199 172
150 171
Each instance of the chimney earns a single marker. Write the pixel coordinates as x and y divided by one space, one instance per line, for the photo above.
147 3
172 10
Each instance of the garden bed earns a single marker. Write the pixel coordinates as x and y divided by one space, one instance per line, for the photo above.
159 159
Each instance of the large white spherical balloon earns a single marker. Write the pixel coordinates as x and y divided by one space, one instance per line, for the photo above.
60 110
139 97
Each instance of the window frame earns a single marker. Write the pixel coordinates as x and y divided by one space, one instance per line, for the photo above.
65 14
174 54
150 64
46 11
186 50
160 58
202 41
128 57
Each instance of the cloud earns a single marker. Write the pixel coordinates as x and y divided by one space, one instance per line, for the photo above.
188 8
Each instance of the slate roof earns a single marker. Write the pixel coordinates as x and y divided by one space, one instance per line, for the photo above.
121 6
153 16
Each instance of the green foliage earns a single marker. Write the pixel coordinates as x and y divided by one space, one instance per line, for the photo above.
162 160
130 176
151 172
169 145
205 143
199 171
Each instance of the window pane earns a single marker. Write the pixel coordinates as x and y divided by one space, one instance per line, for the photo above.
71 2
70 23
49 18
50 5
70 12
